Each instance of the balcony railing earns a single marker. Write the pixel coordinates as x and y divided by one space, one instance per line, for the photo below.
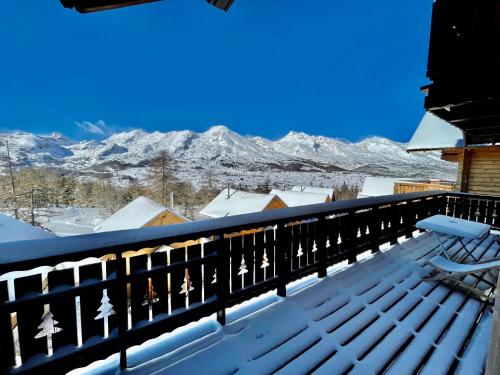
134 285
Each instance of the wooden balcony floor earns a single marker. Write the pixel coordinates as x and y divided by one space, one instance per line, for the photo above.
376 317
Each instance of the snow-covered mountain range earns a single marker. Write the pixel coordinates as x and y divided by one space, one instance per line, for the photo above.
125 154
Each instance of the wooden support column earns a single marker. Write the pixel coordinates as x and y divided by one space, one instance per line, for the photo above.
464 171
493 359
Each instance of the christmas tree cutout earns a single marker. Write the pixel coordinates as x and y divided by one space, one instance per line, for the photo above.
299 251
186 285
48 327
328 243
243 267
151 296
214 278
106 308
315 248
265 261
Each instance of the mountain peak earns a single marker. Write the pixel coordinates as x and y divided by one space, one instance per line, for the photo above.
218 129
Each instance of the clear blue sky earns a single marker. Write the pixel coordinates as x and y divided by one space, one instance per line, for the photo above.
346 69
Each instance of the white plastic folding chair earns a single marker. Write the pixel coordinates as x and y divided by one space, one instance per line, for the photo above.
449 271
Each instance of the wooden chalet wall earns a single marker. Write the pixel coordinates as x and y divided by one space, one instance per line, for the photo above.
166 218
479 170
401 187
276 202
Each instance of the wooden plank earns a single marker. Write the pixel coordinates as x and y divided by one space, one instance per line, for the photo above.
237 258
195 274
159 283
178 281
30 317
259 256
6 337
210 278
270 247
63 309
140 294
90 301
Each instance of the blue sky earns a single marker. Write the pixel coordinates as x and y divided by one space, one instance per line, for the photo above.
346 69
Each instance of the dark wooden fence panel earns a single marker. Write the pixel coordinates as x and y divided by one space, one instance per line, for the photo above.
238 263
141 296
159 283
180 284
210 268
29 318
64 308
91 301
483 209
7 360
195 274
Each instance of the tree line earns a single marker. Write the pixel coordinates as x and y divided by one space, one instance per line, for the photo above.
33 193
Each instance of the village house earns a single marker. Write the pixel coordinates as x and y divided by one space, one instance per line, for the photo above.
319 190
300 198
478 164
141 212
232 202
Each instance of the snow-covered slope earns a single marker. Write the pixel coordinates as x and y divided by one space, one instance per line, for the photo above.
124 153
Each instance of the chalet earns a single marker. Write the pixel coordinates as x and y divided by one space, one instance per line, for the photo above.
478 164
319 190
232 202
377 186
300 198
141 212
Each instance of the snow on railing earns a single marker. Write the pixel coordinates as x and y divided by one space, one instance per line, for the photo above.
141 283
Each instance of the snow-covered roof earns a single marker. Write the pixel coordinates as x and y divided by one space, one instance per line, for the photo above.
134 215
318 190
434 133
376 186
14 230
299 198
231 202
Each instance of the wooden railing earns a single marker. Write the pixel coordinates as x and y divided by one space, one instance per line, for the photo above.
480 208
135 287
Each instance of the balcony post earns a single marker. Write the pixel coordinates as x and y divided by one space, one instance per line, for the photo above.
223 265
321 237
122 307
394 223
375 225
282 241
350 238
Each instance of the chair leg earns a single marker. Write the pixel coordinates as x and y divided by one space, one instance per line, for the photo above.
453 279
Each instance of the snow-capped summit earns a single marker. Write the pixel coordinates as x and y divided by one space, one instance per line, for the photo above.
219 145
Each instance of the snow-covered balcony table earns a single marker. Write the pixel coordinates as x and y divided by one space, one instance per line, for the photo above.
459 229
